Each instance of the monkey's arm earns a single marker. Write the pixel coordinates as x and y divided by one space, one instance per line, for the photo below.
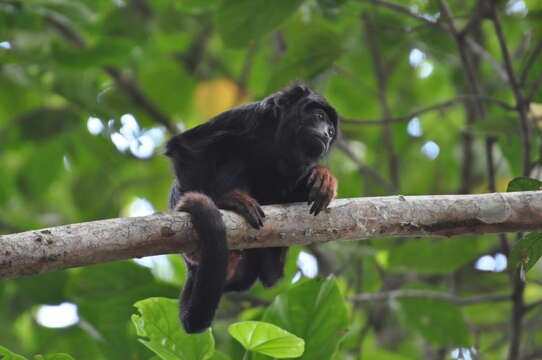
243 204
322 187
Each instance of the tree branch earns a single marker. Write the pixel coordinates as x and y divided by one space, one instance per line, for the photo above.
388 295
62 247
363 168
530 62
385 111
522 106
438 106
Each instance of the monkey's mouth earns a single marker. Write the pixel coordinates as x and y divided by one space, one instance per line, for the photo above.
315 145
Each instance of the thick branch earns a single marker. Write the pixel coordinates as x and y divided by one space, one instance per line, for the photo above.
62 247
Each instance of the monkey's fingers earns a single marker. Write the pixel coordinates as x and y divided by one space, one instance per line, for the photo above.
326 194
254 214
314 193
316 207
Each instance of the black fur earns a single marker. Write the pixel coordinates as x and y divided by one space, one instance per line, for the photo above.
256 154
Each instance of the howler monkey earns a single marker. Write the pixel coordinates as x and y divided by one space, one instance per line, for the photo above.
255 154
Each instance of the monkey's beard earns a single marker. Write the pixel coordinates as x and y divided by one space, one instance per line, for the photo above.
315 146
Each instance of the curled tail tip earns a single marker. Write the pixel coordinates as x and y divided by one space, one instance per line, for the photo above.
193 326
194 200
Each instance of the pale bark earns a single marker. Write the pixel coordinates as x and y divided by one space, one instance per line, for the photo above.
62 247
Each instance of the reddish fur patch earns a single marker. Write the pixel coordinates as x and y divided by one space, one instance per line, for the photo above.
327 179
192 197
234 198
235 257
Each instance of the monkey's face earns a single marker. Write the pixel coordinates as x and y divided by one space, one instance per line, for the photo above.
316 132
306 125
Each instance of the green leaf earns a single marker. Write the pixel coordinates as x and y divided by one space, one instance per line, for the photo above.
523 184
267 339
527 251
8 355
242 21
54 357
159 325
107 52
310 53
439 322
167 84
315 311
92 288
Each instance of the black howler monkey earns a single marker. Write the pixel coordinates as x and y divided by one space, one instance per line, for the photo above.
255 154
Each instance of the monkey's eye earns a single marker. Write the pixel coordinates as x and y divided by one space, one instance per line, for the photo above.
320 115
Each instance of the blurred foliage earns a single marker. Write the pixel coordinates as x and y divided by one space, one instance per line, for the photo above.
71 71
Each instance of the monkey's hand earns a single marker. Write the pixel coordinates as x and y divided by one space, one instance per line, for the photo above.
244 205
322 189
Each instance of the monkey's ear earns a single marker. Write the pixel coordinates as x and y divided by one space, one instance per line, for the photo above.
292 94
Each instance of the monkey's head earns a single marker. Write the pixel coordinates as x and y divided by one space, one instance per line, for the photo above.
307 124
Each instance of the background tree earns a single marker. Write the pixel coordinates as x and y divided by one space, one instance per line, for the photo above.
437 97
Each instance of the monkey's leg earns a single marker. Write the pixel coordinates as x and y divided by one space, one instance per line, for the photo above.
243 270
271 264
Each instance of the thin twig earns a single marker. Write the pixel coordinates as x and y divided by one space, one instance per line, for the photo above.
404 10
363 168
490 141
192 57
67 32
530 62
389 295
535 86
522 107
533 305
438 106
382 79
518 310
480 51
475 109
139 99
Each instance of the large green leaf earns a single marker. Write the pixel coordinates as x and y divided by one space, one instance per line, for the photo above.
105 294
315 311
267 339
242 21
158 325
